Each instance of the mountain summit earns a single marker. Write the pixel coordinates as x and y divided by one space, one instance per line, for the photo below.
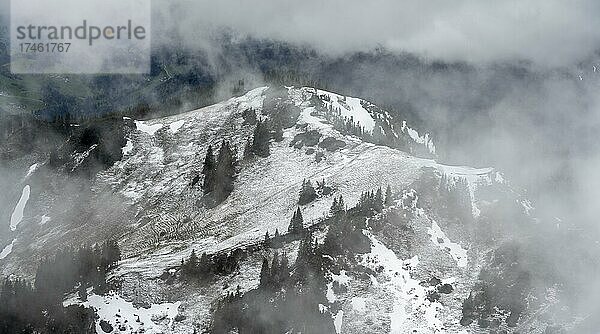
282 210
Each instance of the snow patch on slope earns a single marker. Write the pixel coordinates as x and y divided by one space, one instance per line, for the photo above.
438 237
126 318
349 107
44 220
17 215
148 129
175 126
337 321
127 148
412 312
31 170
7 250
359 304
424 140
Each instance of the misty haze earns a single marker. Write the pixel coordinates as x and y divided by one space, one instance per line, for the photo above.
302 167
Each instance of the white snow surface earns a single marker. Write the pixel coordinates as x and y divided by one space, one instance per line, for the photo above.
31 170
175 126
359 304
438 237
45 219
264 197
154 177
350 107
7 250
17 215
424 140
412 312
127 318
149 129
127 148
337 321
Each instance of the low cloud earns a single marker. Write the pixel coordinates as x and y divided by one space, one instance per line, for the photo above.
546 32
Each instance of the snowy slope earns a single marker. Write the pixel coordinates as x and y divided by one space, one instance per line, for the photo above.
163 223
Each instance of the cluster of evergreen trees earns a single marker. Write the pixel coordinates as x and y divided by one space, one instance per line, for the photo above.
219 174
284 289
23 311
346 125
287 299
275 275
456 197
383 133
86 266
38 308
338 206
308 193
344 234
259 144
206 266
297 223
249 116
345 225
374 200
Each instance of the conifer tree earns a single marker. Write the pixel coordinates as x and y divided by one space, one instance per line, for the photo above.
264 273
260 140
82 291
208 170
224 172
284 273
307 193
378 200
204 266
192 263
267 239
277 243
274 276
297 222
337 206
334 206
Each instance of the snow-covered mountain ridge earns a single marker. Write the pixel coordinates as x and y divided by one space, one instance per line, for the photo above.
148 200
